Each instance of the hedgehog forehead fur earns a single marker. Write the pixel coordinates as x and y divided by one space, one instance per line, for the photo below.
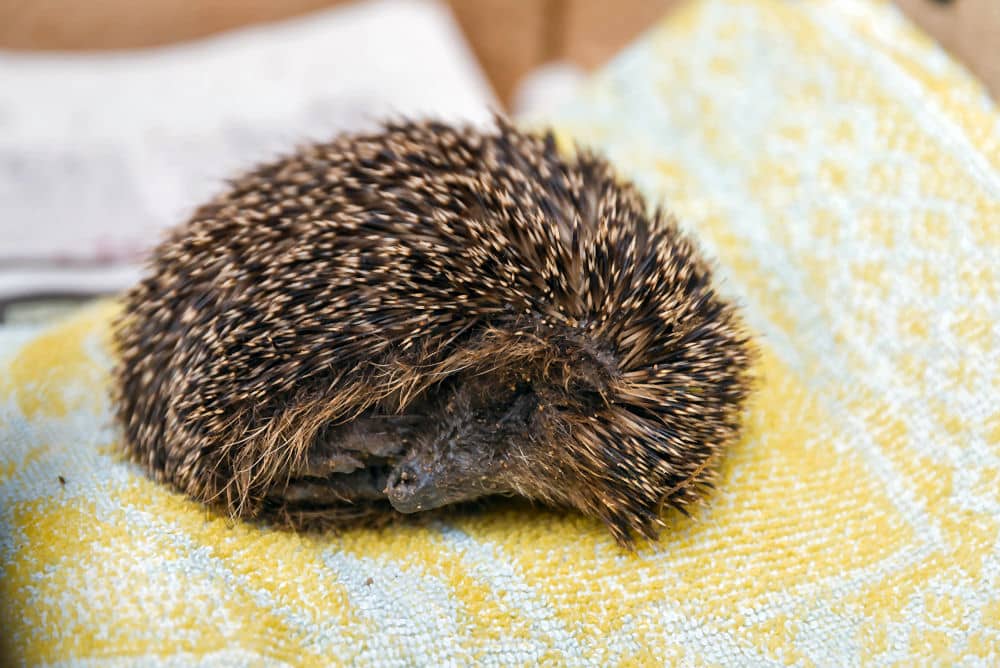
427 314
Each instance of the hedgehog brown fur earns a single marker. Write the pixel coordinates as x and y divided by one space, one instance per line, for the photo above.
429 314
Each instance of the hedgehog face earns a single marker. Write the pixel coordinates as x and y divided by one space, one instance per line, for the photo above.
502 431
468 446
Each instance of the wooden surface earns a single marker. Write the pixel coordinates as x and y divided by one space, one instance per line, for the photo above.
593 32
122 24
510 37
970 29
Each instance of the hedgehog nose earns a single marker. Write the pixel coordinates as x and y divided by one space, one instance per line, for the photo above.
404 490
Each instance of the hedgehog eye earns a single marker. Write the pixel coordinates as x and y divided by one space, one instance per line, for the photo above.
585 400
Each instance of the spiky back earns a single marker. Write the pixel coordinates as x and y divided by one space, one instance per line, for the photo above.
363 270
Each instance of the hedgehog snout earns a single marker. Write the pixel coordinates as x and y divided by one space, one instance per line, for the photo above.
465 452
452 467
414 486
411 490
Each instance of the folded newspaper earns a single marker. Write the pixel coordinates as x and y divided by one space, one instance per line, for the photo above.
99 153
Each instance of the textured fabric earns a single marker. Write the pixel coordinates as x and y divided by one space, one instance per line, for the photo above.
847 177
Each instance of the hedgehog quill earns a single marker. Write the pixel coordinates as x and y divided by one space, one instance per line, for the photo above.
427 314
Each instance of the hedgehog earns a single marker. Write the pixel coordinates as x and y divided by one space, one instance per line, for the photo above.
427 314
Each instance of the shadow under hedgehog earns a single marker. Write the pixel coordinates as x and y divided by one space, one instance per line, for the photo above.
429 314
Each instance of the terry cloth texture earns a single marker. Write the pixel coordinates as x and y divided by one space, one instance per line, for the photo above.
846 174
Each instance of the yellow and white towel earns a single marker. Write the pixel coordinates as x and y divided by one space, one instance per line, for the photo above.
846 174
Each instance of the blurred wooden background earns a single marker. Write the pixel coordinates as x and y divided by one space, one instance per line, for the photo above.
510 37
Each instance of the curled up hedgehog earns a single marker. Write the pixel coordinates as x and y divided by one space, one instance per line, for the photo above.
429 314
